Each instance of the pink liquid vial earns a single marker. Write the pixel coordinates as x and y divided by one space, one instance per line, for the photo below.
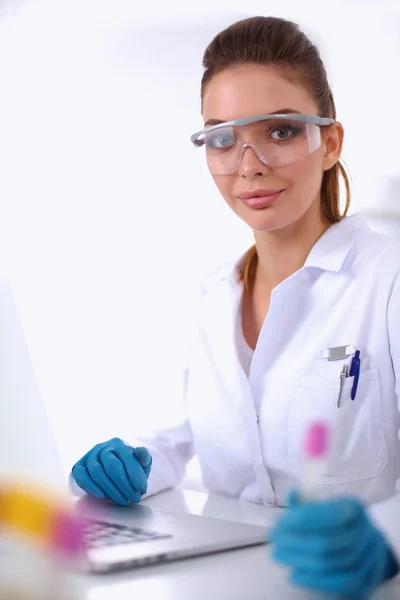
316 443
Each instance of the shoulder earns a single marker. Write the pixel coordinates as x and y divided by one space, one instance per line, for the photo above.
383 242
379 251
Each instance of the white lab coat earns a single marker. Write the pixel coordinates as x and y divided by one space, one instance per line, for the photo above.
347 293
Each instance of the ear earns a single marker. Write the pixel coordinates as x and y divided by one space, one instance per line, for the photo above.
333 142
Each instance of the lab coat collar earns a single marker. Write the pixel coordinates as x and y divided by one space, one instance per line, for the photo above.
332 248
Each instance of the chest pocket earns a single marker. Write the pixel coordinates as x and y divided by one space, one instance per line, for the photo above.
357 443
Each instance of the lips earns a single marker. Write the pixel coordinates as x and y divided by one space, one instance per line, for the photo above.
259 199
258 194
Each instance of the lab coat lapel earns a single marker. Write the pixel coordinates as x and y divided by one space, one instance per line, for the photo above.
219 323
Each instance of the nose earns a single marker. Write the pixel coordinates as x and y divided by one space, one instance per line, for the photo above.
250 164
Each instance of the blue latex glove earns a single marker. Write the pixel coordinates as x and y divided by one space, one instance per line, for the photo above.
115 471
332 547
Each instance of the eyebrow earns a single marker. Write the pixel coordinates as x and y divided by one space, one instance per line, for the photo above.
281 111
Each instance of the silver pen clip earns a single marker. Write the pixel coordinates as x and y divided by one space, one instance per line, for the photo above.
343 375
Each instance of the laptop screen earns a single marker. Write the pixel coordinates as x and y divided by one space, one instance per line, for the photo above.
27 447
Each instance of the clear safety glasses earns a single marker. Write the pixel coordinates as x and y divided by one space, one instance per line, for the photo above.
278 140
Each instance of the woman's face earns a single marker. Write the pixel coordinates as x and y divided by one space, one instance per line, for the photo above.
250 90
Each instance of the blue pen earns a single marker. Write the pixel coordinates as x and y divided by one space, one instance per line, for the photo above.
355 371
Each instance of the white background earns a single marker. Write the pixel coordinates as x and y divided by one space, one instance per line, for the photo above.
107 224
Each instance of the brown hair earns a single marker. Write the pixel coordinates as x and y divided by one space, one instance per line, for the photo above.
281 44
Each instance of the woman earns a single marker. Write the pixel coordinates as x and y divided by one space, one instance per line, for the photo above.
279 329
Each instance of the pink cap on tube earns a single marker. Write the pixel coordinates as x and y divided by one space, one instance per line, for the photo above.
68 534
316 440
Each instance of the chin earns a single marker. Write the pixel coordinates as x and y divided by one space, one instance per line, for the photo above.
267 219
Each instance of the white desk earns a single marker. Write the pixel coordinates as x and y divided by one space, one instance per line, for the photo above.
238 574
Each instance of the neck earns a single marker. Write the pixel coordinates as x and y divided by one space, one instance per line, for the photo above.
283 252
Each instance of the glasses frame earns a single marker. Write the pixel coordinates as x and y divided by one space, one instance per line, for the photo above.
320 121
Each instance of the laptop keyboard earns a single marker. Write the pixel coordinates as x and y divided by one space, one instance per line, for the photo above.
101 533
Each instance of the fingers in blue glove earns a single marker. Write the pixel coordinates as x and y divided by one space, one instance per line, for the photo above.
320 552
114 470
333 547
132 472
84 481
314 516
144 458
99 476
356 583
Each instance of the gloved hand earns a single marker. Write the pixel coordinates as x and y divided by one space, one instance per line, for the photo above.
114 470
332 547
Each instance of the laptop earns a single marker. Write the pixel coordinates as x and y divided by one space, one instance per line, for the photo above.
116 537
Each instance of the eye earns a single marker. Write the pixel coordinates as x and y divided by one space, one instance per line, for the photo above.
219 140
284 132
